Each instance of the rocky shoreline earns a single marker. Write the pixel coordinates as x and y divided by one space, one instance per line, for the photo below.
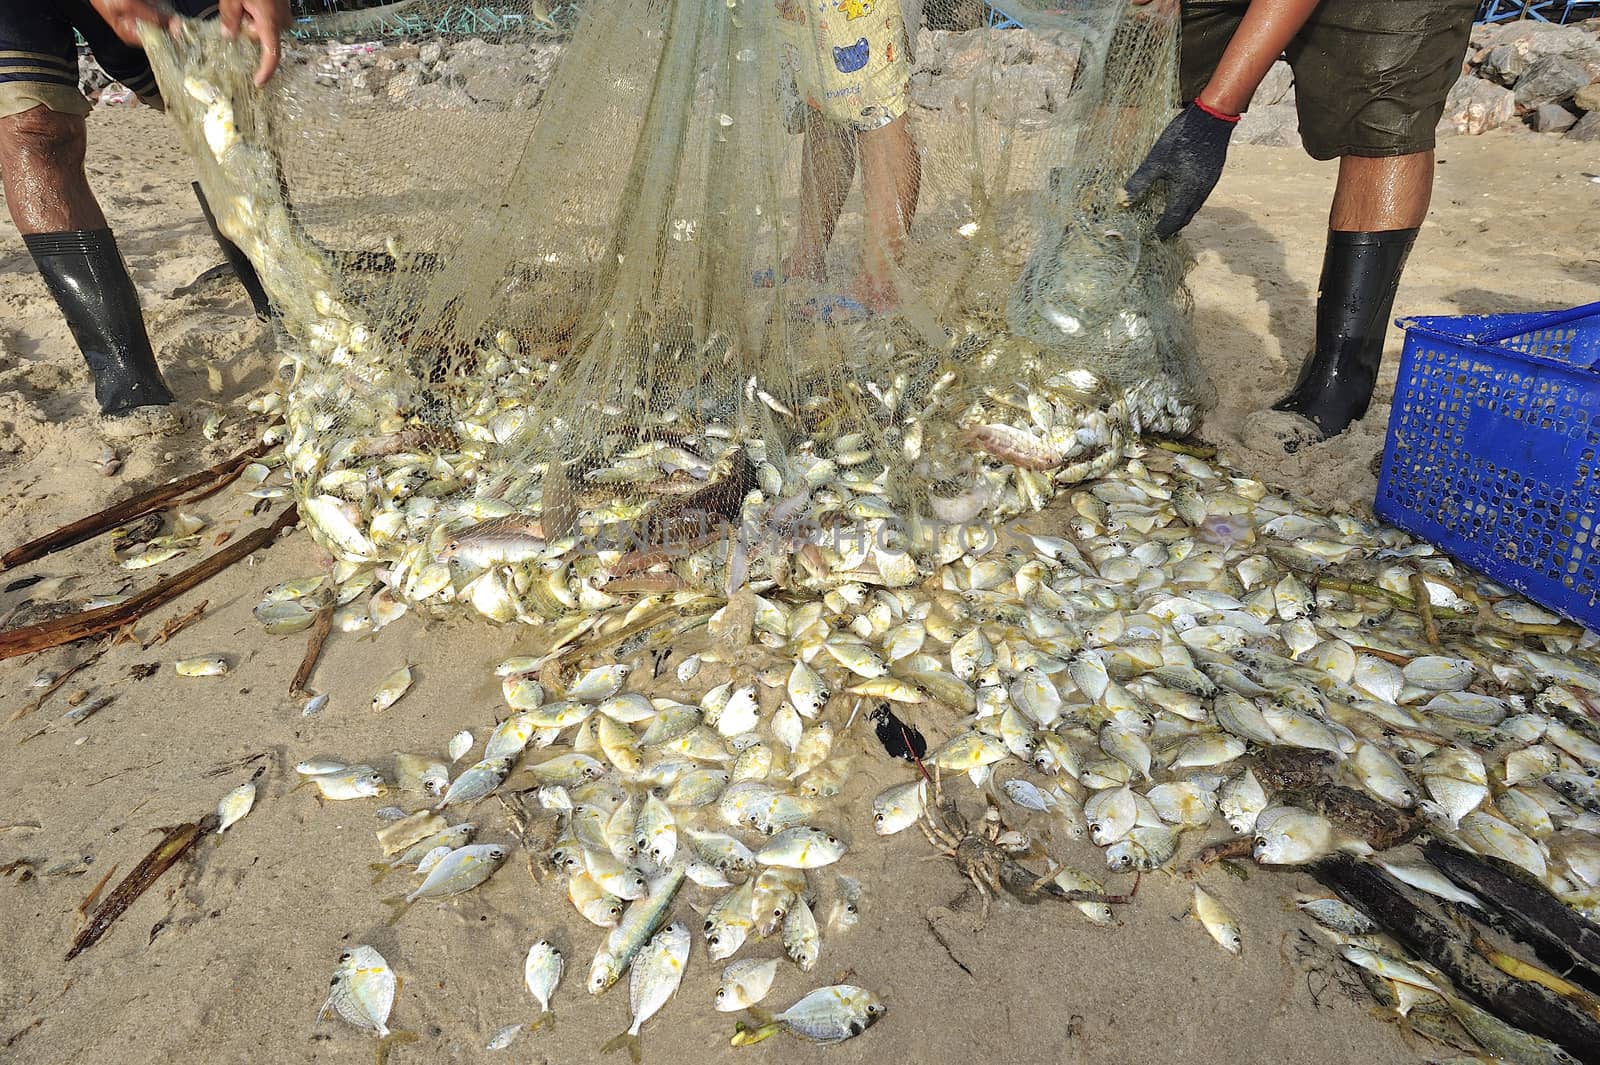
1528 74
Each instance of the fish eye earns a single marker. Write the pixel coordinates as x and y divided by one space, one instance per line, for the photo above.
345 956
1261 841
497 854
778 912
877 818
851 908
713 940
720 995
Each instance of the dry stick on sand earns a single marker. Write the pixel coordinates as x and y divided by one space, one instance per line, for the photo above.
176 624
175 843
111 618
319 633
129 509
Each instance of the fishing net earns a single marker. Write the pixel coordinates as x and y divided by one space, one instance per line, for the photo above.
711 294
566 332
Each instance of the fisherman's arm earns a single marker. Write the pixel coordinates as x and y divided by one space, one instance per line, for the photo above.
263 21
1190 153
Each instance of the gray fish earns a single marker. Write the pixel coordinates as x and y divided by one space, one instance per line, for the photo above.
476 782
461 870
639 922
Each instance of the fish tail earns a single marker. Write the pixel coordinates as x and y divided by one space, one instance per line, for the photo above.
744 1035
383 869
626 1040
547 1019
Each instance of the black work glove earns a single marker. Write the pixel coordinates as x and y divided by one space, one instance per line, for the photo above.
1188 156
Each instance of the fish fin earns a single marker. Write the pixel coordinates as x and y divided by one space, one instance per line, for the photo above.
744 1035
625 1040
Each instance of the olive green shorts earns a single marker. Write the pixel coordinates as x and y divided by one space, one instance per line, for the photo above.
1370 76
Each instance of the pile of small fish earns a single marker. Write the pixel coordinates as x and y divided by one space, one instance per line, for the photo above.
1193 650
639 796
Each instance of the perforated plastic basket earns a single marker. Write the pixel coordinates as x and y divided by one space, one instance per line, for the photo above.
1494 449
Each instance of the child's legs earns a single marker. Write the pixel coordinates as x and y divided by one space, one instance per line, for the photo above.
827 167
891 179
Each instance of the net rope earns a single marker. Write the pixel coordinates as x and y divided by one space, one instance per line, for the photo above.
535 355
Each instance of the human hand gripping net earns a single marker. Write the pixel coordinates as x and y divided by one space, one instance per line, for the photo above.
686 321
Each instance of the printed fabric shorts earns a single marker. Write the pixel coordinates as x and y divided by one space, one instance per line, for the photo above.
1370 76
847 59
39 55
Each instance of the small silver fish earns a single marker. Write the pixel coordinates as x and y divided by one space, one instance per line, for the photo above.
461 870
362 991
476 782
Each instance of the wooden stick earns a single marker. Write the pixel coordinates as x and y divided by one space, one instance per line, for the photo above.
1559 935
175 843
175 625
319 633
1529 1006
1387 656
1424 602
76 627
94 893
121 513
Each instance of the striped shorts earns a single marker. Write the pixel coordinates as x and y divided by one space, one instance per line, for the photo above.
39 54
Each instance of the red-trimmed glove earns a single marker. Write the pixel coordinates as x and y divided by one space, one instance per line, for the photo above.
1188 157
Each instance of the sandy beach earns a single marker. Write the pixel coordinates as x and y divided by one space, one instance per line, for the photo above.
227 959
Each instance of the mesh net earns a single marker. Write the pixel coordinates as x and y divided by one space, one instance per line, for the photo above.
715 293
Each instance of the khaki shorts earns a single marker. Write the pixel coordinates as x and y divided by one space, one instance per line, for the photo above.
39 55
1370 76
848 61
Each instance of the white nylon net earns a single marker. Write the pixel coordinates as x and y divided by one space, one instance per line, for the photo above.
685 321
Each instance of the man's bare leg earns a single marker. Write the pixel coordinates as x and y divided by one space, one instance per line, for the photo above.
47 191
891 181
1377 195
827 168
41 157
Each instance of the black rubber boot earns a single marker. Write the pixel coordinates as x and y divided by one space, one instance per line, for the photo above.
237 259
86 274
1360 273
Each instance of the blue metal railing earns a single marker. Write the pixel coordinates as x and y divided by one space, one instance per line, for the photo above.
1560 11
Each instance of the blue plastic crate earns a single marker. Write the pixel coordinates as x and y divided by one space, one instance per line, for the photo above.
1494 450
